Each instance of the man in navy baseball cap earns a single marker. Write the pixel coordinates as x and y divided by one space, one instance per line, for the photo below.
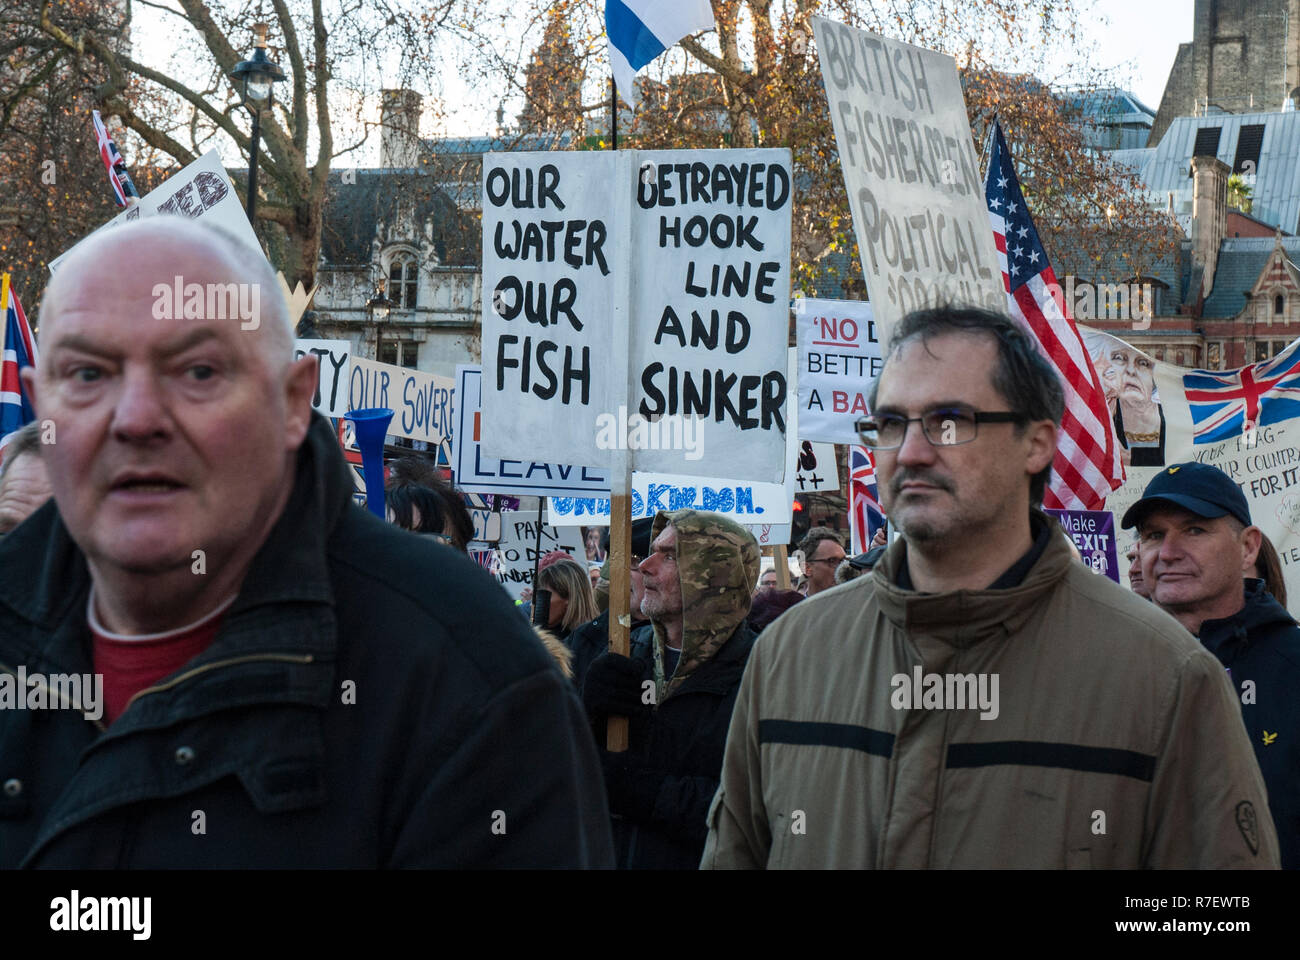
1197 549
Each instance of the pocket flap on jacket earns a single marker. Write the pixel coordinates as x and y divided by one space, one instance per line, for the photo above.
284 784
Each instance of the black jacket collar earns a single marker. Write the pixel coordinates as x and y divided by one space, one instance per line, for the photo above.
46 580
1260 614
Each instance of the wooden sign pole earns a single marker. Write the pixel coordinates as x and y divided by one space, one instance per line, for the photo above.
782 566
620 500
620 602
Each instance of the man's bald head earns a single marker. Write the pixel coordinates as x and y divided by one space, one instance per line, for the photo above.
154 251
168 380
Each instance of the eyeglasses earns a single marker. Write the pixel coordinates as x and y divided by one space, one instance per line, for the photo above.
826 560
944 426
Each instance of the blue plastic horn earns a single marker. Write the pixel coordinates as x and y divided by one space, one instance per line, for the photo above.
370 428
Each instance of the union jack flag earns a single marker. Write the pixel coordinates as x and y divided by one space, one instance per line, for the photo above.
116 166
19 352
1087 466
865 515
1223 404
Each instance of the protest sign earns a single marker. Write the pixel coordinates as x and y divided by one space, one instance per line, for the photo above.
421 402
710 321
549 256
839 356
1093 533
817 471
910 170
746 502
689 265
334 360
199 191
478 473
518 552
1245 422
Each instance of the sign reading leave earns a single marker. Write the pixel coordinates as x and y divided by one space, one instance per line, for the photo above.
910 171
683 255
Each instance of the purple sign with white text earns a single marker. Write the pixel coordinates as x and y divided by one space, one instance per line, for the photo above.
1093 532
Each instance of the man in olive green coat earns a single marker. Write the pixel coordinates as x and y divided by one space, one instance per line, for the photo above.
982 699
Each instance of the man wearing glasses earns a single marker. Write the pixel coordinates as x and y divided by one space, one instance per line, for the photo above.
980 700
822 553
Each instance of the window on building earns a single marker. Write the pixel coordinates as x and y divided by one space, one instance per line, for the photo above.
402 281
1214 358
1249 141
1261 350
1178 357
401 353
1279 305
1278 346
1207 142
1160 353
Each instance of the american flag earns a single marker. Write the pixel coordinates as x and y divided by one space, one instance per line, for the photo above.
1087 465
1223 403
19 352
865 515
116 166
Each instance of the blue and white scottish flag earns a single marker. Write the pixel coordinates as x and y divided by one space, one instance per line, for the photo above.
640 30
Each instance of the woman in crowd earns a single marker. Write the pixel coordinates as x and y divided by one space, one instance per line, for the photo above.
572 601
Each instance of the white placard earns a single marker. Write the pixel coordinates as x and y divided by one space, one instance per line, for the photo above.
746 502
817 470
199 191
839 356
710 327
421 402
477 473
549 257
692 248
334 360
913 181
519 553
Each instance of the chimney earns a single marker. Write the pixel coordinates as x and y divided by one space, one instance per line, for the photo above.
1209 215
399 128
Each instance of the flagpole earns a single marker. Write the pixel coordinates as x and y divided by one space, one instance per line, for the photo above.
613 114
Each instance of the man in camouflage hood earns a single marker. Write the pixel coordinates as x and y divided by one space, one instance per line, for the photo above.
677 688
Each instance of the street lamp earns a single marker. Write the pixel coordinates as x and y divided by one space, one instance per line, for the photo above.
256 77
378 307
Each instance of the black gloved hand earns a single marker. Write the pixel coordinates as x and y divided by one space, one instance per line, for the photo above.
613 687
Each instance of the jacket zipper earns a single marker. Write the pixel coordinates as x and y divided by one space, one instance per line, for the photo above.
231 661
50 696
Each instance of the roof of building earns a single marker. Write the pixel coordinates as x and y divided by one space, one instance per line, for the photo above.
1241 261
353 211
1275 189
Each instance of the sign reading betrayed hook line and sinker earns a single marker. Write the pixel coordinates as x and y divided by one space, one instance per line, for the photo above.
689 249
910 171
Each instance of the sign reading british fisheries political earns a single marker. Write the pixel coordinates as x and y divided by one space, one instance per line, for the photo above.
913 181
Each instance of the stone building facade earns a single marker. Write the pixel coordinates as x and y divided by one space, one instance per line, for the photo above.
1244 57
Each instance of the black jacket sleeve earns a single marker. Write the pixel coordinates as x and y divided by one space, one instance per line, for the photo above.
538 799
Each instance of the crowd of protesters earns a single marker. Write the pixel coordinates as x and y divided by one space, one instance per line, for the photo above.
349 694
